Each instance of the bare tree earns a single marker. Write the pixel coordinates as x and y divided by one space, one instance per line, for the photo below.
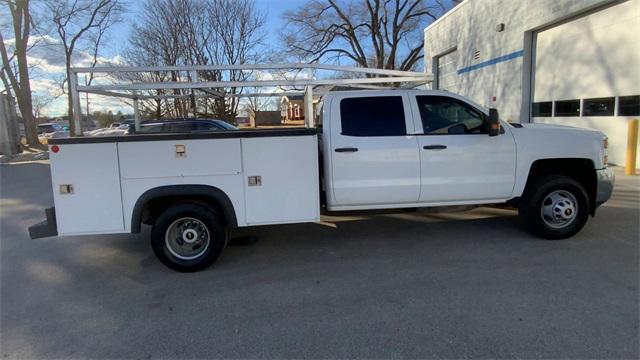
96 42
19 78
385 34
75 21
196 32
40 102
253 105
239 37
5 82
160 38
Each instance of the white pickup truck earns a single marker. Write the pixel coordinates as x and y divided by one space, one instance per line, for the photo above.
376 149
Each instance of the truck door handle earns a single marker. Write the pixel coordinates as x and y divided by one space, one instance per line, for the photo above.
434 147
346 149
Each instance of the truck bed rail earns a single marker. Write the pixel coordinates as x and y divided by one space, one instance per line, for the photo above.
231 134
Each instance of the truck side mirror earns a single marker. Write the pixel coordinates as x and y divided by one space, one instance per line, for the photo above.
493 124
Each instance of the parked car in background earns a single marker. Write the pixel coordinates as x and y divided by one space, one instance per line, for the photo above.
50 131
114 129
127 124
187 125
48 128
106 131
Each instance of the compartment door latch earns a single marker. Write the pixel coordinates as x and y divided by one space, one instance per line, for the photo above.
181 151
255 180
66 189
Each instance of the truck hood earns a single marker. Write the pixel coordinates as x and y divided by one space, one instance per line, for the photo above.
554 128
547 141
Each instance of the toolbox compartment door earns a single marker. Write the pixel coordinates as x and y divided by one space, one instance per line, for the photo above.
281 179
179 158
86 189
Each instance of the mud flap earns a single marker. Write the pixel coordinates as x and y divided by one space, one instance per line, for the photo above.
45 228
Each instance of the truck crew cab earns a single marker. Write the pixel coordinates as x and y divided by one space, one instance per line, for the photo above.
377 149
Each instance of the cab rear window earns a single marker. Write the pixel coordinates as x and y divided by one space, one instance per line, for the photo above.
373 116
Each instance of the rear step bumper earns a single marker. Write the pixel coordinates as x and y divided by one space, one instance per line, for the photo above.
45 228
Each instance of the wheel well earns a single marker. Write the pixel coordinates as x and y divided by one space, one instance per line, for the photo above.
153 202
580 170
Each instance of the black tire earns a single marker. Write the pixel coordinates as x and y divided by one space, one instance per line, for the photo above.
179 214
531 207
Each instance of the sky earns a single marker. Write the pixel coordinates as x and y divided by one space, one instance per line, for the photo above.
48 61
273 8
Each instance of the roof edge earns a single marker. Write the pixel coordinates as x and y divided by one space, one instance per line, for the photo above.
451 11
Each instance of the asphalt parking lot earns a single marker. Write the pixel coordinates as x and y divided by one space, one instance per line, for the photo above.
410 285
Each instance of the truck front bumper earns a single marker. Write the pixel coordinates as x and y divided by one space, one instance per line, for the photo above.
45 228
606 179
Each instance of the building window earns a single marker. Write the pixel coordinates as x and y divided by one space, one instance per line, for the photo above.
599 107
629 105
541 109
373 116
567 108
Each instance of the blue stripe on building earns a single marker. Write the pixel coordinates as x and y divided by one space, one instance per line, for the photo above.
494 61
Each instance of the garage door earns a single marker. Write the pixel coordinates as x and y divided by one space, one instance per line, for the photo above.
593 56
446 72
586 68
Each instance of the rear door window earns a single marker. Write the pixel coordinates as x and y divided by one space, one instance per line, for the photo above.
373 116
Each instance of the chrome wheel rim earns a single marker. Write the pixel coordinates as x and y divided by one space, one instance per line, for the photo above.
187 238
559 209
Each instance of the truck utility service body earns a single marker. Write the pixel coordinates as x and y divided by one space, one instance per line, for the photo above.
376 149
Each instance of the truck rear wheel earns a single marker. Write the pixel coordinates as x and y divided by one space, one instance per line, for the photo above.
188 237
554 207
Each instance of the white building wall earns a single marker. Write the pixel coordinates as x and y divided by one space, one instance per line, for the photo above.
495 67
468 28
591 56
594 56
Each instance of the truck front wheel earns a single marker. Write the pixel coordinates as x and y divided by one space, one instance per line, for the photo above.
188 237
554 207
